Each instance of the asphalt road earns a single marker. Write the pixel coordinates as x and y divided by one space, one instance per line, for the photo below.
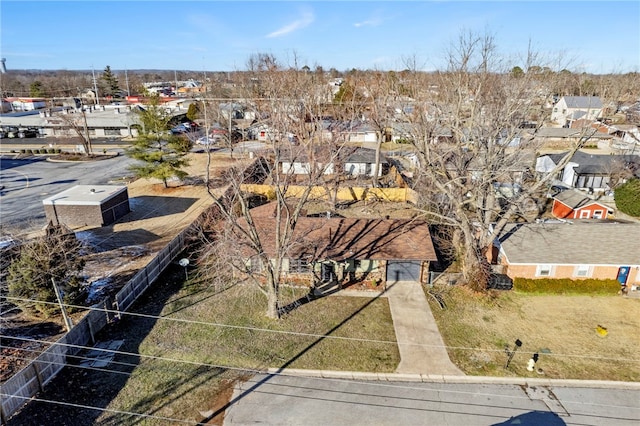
26 182
314 401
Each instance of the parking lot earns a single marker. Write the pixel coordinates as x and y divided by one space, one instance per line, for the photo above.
25 182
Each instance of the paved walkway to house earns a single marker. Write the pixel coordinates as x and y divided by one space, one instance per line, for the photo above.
421 346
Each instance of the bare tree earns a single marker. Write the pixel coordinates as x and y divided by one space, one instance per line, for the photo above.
290 109
474 159
75 121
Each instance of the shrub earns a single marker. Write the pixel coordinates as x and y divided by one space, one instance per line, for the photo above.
628 197
42 151
566 286
29 151
56 256
58 150
13 151
51 151
23 151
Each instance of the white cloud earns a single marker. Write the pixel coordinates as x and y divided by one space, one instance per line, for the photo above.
368 23
306 19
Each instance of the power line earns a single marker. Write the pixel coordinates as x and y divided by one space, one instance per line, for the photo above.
84 367
300 334
284 374
362 393
108 410
293 333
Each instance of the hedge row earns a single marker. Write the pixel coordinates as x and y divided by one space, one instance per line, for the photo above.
566 286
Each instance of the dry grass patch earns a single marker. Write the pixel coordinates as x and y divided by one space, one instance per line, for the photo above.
225 328
241 339
478 327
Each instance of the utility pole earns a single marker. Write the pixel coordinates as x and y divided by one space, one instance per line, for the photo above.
95 86
67 321
126 79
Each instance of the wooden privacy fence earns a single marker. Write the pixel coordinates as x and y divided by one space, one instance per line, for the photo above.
342 194
26 383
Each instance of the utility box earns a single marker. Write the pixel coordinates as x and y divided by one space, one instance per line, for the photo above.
87 205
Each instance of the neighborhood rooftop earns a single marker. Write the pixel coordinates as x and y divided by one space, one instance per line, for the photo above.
348 238
575 243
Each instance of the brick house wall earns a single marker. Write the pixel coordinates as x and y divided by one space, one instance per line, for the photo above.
569 271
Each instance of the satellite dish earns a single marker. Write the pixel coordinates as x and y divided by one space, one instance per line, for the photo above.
183 262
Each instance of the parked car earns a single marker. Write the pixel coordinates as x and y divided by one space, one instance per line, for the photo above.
18 132
208 140
556 189
186 127
27 132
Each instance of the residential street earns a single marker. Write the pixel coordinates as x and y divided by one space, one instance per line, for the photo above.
324 401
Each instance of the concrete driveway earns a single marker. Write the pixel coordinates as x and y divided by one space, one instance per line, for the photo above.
422 350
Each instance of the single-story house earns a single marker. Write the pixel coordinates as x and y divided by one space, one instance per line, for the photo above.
351 161
574 204
565 249
347 250
559 137
87 205
356 131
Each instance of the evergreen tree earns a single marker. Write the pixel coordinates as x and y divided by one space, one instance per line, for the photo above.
161 154
193 111
110 85
36 89
57 257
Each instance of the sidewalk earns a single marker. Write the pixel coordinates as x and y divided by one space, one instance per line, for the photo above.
422 349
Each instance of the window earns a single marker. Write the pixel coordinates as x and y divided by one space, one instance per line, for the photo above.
112 131
597 214
582 271
298 265
255 265
544 271
585 214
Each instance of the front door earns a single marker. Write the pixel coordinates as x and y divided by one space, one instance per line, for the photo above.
623 274
327 272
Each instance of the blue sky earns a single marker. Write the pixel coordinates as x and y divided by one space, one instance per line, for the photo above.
590 36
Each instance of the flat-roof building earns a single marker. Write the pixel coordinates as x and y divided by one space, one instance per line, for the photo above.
87 205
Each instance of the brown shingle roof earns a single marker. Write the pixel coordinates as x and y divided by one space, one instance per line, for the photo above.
348 238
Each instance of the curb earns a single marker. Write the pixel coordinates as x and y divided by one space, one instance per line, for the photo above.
436 378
